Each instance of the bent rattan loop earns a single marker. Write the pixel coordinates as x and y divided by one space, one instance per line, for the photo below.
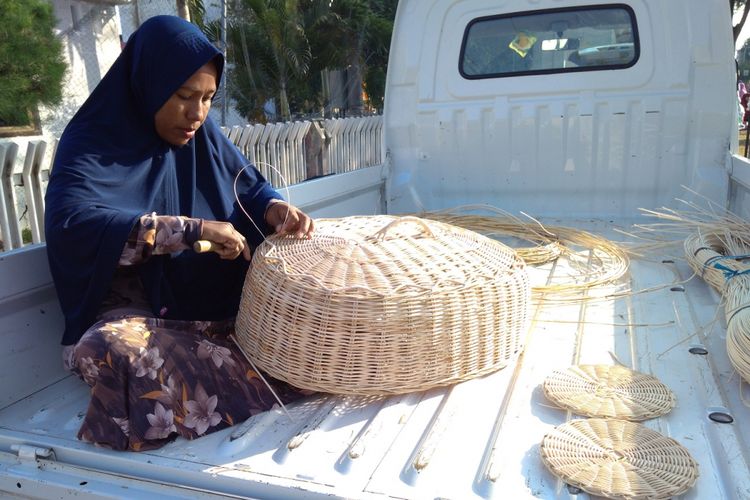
618 459
429 305
609 391
420 222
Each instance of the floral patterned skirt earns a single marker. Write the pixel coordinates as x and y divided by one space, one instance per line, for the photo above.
154 379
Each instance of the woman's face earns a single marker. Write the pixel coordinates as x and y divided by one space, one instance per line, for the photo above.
186 110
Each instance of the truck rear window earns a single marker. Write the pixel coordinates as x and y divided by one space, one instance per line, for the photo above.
550 41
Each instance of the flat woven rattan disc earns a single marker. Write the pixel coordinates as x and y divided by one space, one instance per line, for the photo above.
609 391
383 305
618 459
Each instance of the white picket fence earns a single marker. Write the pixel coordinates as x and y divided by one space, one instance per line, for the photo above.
278 149
354 142
22 193
281 151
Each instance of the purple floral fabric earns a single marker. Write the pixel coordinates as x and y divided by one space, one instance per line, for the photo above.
156 235
154 379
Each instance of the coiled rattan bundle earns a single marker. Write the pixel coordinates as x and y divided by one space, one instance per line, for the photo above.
383 305
599 260
720 257
717 247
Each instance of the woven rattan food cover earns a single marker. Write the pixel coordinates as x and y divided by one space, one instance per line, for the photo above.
382 305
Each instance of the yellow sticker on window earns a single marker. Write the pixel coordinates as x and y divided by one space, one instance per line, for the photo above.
522 43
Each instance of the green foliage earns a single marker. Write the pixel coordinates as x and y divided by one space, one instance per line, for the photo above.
31 60
197 10
359 33
270 50
376 49
280 47
743 61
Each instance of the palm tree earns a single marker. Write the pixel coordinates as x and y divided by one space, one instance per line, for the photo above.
270 50
356 37
280 47
339 43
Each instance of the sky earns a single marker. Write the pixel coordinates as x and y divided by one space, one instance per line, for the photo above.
745 33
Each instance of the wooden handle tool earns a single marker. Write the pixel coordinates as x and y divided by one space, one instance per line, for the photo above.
203 246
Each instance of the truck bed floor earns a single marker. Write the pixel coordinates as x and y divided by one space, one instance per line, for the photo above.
477 439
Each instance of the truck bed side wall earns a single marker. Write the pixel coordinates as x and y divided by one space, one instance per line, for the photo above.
591 143
31 325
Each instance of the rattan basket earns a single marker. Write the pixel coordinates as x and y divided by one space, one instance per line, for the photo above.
382 305
618 459
609 391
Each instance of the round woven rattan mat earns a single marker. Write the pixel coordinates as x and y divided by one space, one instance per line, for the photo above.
609 391
618 459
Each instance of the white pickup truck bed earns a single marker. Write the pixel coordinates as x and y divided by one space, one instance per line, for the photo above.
478 439
590 146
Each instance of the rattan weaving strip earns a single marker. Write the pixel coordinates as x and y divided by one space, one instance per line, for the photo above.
609 391
383 305
618 459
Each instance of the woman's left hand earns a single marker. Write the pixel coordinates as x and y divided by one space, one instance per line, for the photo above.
288 219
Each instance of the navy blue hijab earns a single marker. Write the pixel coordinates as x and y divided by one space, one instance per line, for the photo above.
111 167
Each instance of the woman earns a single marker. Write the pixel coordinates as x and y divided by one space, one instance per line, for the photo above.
139 175
742 96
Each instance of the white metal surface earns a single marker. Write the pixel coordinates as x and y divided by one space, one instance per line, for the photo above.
478 439
593 143
359 192
30 324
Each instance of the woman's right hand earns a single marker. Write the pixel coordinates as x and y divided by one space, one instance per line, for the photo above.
225 239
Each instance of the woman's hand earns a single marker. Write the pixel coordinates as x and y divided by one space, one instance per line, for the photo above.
288 219
225 240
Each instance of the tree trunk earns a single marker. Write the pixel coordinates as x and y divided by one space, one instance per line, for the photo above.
182 9
354 77
738 28
286 114
354 105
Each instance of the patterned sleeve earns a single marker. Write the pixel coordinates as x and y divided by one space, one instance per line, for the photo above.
159 235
